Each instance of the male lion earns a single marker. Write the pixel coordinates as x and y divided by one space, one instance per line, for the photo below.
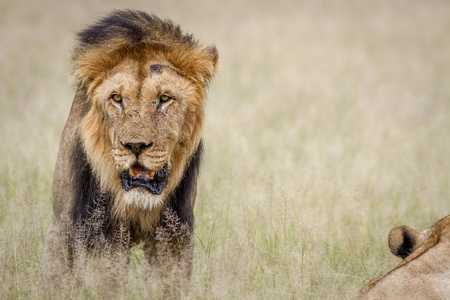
425 271
131 147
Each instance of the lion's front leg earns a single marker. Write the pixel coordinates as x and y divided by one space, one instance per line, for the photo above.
107 251
111 269
57 260
169 269
170 255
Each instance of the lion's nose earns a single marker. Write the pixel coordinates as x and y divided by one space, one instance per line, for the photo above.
137 148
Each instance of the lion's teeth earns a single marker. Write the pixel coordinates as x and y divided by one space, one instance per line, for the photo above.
132 172
152 174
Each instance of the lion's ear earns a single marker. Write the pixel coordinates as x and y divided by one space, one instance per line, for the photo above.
213 55
198 63
403 240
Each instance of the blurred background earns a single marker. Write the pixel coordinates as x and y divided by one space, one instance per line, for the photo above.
327 125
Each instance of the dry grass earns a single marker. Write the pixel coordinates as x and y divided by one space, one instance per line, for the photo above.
327 125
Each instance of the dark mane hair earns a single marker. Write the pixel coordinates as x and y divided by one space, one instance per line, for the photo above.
132 28
91 208
180 200
133 33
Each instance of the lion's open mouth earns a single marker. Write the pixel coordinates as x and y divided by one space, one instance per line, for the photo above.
153 181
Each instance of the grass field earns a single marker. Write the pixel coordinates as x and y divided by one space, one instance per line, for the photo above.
328 124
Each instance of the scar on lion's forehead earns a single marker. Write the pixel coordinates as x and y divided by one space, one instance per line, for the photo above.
158 69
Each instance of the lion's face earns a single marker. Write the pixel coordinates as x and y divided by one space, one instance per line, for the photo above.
146 116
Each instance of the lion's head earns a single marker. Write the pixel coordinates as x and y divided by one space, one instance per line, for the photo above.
145 81
425 269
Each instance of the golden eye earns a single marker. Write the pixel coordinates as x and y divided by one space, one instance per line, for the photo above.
116 98
164 98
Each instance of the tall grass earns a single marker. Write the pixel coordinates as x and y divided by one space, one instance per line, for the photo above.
327 125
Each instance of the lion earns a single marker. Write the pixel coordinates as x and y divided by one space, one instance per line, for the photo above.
424 272
132 144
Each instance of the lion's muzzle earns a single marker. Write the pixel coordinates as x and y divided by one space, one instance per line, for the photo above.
137 175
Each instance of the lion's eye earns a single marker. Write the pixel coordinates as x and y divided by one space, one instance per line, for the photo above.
117 98
164 98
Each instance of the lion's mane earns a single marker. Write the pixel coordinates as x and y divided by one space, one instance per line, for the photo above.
103 46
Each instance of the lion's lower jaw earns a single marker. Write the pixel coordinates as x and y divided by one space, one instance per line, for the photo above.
140 198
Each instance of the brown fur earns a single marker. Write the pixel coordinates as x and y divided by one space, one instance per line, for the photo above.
114 57
425 271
